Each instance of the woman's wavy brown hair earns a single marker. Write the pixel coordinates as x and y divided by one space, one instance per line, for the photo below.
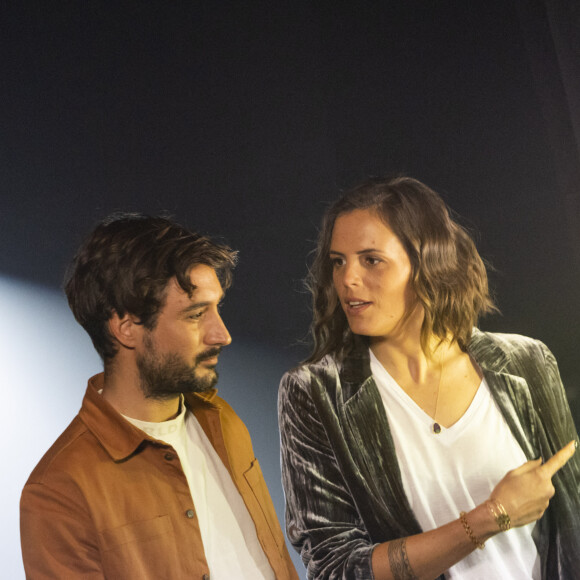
448 275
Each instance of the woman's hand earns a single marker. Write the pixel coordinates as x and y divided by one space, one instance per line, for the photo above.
525 492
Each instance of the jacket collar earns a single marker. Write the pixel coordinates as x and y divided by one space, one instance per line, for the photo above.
356 366
488 354
118 437
510 392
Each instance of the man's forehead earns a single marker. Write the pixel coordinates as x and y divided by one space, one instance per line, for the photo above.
204 278
204 282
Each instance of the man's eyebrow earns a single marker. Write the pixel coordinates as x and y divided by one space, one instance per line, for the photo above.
198 305
195 306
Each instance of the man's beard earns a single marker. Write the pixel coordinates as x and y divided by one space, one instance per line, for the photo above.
164 376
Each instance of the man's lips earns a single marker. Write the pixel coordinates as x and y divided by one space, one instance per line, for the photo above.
210 355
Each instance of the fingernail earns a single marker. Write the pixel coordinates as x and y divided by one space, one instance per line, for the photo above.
575 443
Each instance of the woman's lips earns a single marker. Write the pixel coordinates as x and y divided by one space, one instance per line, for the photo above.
356 306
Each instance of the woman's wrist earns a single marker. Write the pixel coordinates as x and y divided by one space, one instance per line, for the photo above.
500 515
481 522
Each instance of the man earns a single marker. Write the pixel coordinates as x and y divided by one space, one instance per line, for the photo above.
155 478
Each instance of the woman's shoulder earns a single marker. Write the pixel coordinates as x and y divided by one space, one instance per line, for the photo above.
506 347
305 372
507 341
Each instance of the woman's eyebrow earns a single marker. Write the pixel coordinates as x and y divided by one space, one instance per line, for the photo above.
365 251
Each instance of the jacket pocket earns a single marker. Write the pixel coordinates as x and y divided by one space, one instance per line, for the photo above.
136 532
142 550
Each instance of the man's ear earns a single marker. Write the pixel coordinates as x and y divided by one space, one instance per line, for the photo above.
126 329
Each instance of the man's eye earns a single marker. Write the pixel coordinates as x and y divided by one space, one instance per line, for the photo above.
195 316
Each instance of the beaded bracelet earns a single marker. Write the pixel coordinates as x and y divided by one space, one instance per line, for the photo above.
469 531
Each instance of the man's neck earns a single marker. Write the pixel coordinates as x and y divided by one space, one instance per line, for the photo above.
123 391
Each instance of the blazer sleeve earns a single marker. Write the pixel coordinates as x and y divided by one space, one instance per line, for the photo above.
553 401
322 521
554 413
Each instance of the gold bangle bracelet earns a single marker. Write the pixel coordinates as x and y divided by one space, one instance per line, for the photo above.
469 531
501 517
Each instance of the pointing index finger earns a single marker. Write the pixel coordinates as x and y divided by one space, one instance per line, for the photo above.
558 460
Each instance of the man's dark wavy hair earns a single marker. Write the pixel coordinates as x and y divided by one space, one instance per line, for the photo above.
448 276
124 266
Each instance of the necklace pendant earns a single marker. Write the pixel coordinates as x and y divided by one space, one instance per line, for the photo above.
436 428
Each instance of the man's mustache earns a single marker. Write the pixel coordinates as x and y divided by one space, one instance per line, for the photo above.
206 354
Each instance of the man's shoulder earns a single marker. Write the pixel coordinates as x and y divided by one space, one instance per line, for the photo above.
71 449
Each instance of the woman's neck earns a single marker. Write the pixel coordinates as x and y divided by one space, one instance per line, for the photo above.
404 356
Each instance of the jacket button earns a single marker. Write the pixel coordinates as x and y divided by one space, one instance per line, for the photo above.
169 456
190 514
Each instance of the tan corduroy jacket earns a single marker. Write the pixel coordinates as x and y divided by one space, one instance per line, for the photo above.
107 501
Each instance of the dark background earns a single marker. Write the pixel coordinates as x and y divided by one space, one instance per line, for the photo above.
244 119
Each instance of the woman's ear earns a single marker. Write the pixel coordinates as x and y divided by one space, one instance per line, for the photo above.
126 329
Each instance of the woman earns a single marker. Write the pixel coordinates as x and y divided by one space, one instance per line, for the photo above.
411 441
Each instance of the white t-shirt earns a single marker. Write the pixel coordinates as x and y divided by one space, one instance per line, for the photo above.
230 542
456 470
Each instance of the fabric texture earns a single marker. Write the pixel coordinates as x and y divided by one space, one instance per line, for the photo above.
344 492
108 501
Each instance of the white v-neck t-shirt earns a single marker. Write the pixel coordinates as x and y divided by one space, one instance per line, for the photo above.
456 470
230 541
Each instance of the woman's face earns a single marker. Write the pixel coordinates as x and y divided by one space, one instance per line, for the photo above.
371 273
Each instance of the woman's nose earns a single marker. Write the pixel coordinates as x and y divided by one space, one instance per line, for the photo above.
350 274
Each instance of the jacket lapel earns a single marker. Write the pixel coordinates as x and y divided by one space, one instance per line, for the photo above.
207 412
511 393
368 437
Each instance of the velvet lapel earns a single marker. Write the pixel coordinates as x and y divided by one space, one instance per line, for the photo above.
510 392
368 437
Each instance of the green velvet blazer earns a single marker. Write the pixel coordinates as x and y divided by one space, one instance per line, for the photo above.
340 472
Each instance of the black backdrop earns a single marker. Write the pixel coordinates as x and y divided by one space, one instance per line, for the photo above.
244 118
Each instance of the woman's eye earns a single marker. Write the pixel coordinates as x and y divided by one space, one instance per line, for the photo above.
371 261
336 262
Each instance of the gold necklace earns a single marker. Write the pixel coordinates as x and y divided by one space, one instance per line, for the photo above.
436 427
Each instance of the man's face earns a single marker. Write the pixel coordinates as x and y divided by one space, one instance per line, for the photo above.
180 354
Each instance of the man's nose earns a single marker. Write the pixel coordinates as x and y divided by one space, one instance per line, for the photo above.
218 333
